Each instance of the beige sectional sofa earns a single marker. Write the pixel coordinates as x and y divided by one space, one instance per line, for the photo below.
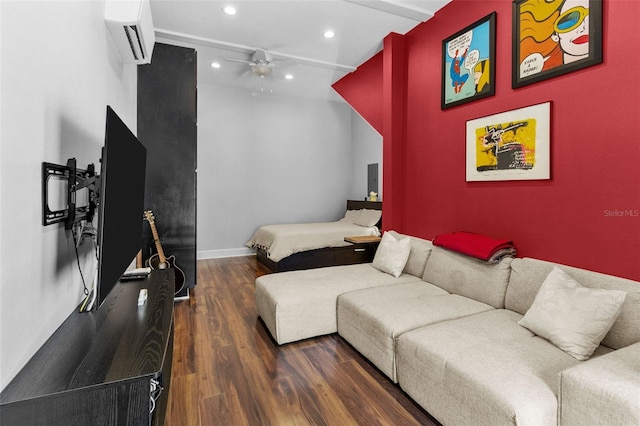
447 331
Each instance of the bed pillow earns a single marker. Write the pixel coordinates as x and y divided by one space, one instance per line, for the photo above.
352 216
572 317
392 254
369 217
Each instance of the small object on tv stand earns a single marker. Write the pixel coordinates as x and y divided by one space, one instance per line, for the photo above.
133 277
142 296
135 274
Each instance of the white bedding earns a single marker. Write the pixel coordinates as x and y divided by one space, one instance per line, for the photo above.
280 241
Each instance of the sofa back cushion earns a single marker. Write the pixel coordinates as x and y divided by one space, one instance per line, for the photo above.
469 277
420 251
527 275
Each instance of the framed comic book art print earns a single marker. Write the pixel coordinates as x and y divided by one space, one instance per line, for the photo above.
468 63
554 37
512 145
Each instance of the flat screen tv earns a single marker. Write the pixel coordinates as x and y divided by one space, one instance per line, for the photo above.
121 203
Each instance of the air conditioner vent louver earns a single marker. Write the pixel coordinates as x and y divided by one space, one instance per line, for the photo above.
134 42
131 27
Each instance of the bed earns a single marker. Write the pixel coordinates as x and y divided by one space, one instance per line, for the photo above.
290 247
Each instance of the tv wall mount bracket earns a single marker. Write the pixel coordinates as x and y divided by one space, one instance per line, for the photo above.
75 179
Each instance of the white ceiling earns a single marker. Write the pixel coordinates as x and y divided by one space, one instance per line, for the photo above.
292 31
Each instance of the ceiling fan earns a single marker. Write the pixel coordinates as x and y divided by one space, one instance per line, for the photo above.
261 63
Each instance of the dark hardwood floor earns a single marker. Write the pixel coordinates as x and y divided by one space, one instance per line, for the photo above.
228 371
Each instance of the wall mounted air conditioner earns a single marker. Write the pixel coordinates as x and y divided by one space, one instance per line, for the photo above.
131 27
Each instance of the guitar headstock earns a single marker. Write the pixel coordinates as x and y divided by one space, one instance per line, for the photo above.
148 215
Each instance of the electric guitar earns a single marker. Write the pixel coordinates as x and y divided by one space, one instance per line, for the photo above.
158 260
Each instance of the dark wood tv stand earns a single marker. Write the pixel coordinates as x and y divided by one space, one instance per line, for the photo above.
99 368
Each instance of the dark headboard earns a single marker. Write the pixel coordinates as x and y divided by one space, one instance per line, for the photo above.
372 205
357 205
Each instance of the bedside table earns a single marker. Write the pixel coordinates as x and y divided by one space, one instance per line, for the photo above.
361 250
363 239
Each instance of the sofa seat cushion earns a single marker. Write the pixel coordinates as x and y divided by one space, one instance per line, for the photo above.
372 319
298 305
484 369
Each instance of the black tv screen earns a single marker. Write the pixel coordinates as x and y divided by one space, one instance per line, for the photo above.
121 203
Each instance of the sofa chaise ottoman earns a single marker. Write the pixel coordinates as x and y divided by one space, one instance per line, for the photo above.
297 305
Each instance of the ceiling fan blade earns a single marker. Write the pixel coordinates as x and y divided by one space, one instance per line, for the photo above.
239 60
284 63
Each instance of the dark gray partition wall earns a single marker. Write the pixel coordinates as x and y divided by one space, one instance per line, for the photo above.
167 126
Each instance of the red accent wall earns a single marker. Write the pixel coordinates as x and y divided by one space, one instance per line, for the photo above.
587 215
362 89
394 68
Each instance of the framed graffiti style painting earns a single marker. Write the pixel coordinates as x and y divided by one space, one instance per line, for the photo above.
468 63
512 145
554 37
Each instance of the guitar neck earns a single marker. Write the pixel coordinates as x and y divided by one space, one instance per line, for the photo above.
156 240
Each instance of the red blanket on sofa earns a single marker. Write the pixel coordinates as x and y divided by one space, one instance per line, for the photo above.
474 245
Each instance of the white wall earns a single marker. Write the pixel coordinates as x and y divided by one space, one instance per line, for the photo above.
267 159
59 71
367 149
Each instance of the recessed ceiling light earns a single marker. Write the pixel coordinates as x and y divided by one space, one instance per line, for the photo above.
215 65
289 76
329 34
229 10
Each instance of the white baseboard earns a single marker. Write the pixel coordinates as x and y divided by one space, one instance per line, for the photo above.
214 254
180 298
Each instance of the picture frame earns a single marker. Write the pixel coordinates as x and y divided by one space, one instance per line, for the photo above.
468 63
512 145
551 41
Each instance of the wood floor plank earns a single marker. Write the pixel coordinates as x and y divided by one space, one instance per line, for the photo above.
228 370
183 325
183 393
213 410
239 391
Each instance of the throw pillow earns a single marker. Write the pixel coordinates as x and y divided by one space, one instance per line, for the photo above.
418 255
572 317
392 254
368 217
